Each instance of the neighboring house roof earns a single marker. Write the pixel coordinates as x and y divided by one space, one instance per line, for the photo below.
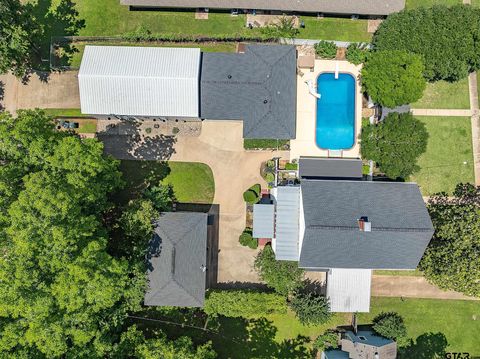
365 343
258 87
400 225
287 222
140 81
263 220
334 354
360 7
349 289
339 168
176 277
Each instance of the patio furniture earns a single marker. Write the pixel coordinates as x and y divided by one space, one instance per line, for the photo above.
306 61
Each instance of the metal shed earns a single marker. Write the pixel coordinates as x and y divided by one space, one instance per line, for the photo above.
140 81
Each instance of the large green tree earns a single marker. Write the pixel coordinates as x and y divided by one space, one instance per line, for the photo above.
283 276
447 38
395 144
452 259
393 78
311 308
17 29
390 325
60 291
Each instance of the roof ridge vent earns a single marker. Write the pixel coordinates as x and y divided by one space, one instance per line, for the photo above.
364 225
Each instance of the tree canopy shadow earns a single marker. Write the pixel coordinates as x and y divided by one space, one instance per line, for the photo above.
54 18
426 346
236 338
124 141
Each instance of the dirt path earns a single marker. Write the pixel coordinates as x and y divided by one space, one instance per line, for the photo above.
409 286
59 91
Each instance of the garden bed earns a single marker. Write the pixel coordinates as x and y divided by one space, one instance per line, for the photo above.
266 144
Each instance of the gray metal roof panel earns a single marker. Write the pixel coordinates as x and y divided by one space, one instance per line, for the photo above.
263 220
258 87
287 223
175 276
349 290
330 167
360 7
401 226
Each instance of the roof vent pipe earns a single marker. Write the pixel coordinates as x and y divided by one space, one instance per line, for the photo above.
364 225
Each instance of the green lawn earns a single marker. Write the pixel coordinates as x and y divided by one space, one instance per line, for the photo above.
410 4
453 318
445 95
68 112
414 273
76 58
449 146
476 3
192 182
282 335
108 17
265 143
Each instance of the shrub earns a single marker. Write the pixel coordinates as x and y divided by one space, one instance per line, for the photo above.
256 188
247 240
395 144
291 166
250 197
326 49
175 130
269 177
283 276
148 130
390 325
284 28
393 78
357 53
310 308
244 303
447 38
325 341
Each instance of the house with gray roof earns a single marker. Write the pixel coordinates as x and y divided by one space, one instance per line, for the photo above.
339 7
347 227
257 87
177 260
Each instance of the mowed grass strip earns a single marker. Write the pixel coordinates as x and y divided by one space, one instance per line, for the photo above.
411 4
458 320
449 157
445 95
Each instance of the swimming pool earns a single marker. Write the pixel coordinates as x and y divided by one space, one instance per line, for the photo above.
335 127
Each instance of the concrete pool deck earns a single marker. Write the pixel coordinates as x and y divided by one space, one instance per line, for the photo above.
304 144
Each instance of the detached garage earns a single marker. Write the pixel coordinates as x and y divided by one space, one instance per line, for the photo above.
140 81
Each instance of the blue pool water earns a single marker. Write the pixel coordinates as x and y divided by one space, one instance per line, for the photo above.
335 128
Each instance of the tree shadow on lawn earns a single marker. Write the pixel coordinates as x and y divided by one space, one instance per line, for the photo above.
236 338
426 346
54 18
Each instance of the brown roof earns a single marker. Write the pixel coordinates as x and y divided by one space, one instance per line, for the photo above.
360 7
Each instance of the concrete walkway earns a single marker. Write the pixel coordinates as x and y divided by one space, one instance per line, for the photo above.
411 287
60 91
475 122
441 112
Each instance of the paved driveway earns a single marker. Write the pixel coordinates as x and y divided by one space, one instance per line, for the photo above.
220 146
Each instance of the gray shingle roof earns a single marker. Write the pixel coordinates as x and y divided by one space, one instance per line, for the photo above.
401 226
175 276
330 167
360 7
258 87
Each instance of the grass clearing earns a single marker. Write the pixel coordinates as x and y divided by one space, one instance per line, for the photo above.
411 4
109 18
449 146
76 58
445 95
192 182
64 112
453 318
249 144
283 336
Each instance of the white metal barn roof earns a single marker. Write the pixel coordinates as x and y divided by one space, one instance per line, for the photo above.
263 220
140 81
287 223
349 289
